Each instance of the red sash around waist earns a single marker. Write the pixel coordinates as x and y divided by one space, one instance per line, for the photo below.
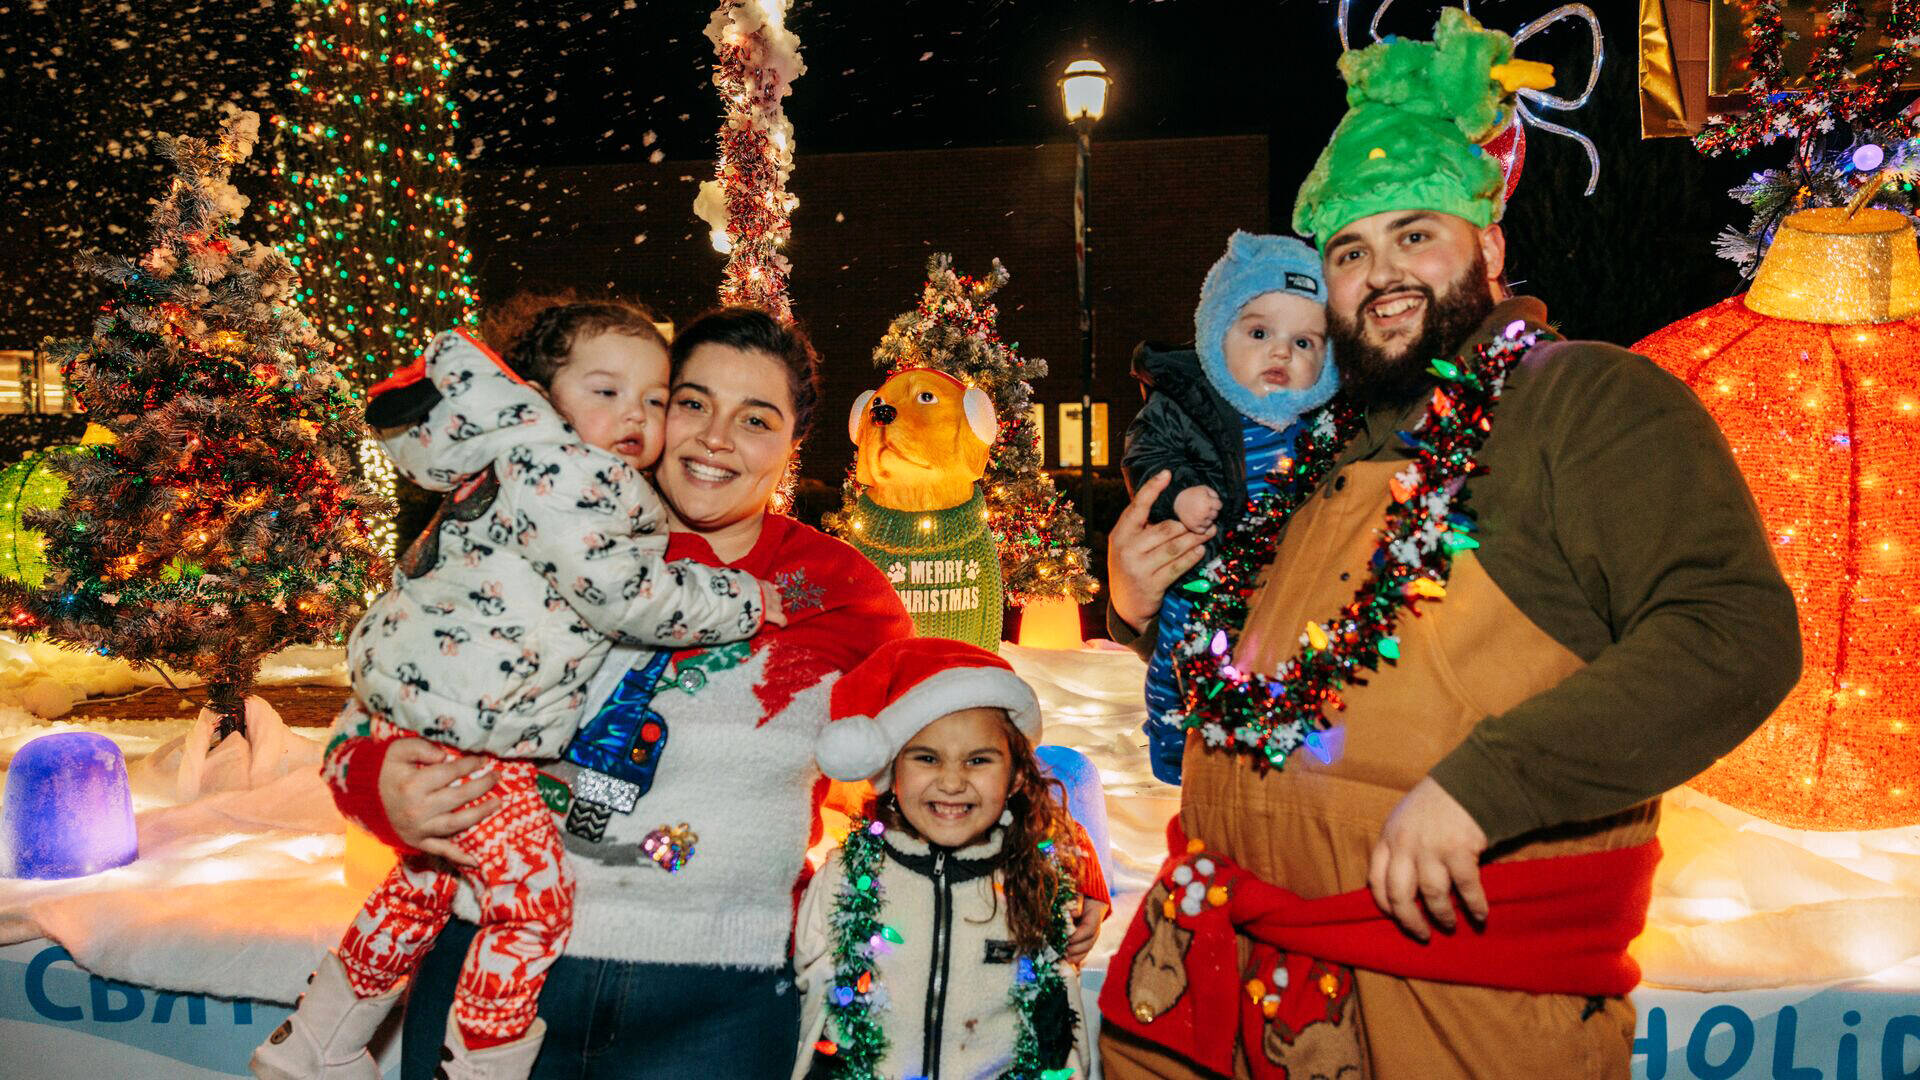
1555 926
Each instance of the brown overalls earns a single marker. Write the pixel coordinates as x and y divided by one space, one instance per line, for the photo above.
1311 827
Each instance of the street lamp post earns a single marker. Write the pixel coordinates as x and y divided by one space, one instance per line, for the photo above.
1083 93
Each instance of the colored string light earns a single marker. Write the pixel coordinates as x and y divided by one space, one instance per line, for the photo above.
223 522
1834 95
374 217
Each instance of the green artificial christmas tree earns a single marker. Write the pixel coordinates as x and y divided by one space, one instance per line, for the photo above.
1040 536
224 521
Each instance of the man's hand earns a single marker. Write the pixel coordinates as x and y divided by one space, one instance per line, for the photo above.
1086 930
1144 559
431 795
1429 847
1198 508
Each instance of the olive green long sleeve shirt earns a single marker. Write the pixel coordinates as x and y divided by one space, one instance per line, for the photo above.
1612 514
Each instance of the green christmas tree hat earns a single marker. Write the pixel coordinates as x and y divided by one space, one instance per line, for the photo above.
1416 114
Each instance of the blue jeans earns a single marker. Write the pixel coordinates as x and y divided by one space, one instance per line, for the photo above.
621 1020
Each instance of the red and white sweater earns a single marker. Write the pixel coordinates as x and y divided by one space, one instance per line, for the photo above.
736 766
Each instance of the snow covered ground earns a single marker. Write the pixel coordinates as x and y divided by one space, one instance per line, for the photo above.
238 890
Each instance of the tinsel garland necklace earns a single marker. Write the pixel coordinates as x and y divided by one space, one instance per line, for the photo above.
1836 96
855 1042
1427 521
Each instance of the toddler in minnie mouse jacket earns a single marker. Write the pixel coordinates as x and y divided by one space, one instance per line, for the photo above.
549 549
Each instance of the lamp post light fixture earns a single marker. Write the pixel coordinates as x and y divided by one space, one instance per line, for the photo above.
1083 94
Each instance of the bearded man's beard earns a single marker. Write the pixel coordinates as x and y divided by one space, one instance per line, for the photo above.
1371 377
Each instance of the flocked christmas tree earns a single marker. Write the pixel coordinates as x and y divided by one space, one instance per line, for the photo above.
1041 538
224 522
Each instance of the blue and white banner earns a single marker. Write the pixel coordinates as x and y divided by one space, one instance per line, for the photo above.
1852 1032
59 1022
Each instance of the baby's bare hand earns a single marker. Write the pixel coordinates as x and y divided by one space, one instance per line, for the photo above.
1197 508
770 599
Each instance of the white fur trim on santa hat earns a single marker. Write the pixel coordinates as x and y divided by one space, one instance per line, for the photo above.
863 747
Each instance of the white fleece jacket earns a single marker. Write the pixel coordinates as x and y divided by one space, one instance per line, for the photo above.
548 553
969 998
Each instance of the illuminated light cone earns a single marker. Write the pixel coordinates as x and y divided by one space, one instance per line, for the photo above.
1814 376
1051 624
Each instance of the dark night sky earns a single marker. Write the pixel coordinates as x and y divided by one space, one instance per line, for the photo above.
83 81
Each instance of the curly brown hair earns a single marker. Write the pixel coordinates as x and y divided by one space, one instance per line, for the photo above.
535 332
1041 841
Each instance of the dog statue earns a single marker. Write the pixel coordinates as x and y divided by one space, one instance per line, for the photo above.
923 441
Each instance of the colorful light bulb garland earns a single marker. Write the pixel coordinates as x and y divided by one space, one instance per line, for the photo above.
1427 521
854 1041
1835 96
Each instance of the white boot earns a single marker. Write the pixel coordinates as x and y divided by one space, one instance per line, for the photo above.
326 1037
508 1061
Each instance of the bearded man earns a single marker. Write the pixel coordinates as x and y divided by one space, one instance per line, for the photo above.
1526 661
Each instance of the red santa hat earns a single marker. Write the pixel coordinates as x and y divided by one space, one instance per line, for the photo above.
902 687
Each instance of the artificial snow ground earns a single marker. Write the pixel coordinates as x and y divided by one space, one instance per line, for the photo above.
239 889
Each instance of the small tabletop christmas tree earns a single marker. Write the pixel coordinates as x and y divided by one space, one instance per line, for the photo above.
1041 539
223 522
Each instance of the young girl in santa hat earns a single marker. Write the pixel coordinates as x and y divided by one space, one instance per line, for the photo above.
932 944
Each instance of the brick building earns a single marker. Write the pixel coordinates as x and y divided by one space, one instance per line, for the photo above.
1161 212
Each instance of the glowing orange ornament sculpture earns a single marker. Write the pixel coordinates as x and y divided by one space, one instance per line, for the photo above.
1814 376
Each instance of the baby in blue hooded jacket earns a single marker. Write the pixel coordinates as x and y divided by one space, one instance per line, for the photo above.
1219 416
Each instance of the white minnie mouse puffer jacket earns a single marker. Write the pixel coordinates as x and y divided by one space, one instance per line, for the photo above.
546 553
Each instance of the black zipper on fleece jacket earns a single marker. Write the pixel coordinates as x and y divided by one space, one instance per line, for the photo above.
936 1016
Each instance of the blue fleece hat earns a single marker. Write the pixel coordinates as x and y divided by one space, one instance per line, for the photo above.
1253 266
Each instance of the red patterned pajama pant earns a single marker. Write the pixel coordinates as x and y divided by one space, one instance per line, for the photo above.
524 887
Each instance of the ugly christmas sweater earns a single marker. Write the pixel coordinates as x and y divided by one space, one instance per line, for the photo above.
718 739
943 563
946 983
547 551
